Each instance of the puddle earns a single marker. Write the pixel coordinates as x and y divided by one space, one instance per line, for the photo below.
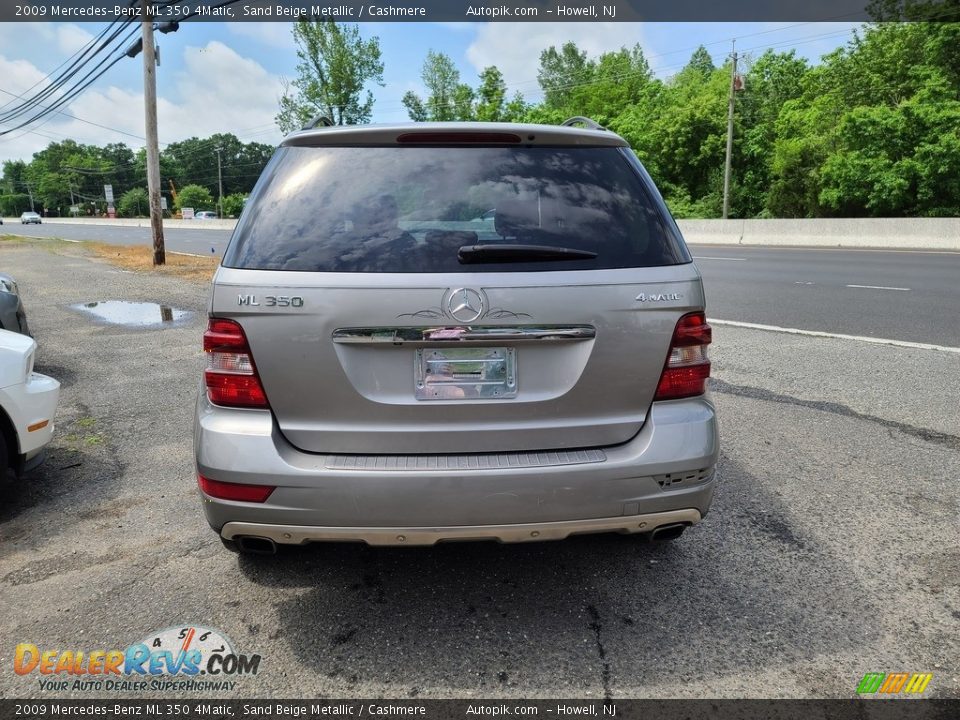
132 314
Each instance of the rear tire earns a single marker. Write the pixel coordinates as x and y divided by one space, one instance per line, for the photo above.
4 460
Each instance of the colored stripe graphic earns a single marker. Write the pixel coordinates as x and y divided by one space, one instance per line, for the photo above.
894 683
871 683
918 682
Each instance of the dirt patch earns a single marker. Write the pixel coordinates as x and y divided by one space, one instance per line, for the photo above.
134 258
139 258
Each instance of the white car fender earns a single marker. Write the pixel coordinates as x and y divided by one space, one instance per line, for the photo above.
29 399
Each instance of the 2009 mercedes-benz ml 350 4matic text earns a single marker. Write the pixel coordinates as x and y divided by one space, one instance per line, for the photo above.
455 331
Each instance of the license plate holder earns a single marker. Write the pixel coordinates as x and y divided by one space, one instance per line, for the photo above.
476 373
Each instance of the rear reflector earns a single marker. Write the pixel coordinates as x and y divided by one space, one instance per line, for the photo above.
241 492
458 138
687 368
230 376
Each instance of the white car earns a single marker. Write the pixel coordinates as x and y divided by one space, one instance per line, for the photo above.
205 215
28 401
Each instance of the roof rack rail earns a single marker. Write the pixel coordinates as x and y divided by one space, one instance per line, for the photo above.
585 121
318 121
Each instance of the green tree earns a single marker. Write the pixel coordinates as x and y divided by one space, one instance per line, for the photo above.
561 71
196 197
335 66
773 79
701 62
491 95
233 204
134 203
447 98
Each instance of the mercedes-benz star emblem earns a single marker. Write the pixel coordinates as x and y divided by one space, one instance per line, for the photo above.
465 305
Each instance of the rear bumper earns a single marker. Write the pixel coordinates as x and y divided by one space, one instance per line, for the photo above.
525 532
625 488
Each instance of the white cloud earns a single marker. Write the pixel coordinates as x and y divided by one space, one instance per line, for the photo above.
221 91
515 47
70 38
218 91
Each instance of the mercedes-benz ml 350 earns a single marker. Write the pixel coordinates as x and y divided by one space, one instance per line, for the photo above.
455 331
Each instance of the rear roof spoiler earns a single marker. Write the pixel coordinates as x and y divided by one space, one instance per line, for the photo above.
389 135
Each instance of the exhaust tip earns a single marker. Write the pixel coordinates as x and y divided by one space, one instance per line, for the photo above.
256 545
668 532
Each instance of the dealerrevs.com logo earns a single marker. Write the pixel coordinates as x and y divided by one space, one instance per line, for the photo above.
190 657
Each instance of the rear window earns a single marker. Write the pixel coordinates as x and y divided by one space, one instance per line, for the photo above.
410 209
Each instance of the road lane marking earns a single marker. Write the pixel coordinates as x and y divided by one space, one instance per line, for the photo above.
837 336
707 257
879 287
803 282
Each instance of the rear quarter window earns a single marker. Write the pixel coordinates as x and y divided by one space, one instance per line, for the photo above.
410 209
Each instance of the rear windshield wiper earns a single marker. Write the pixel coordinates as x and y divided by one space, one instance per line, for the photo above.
469 254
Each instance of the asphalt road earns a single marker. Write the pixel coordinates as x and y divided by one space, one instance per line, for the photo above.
901 295
199 242
832 548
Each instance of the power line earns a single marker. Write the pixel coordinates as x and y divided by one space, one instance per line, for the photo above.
75 117
77 66
83 49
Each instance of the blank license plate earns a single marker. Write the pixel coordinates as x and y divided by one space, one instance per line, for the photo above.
465 373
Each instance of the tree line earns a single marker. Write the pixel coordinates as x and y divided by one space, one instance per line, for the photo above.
68 174
871 130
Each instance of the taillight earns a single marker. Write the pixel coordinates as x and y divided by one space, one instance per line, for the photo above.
231 377
687 368
240 492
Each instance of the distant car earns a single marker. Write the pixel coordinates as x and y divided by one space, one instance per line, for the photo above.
205 215
12 315
29 402
30 217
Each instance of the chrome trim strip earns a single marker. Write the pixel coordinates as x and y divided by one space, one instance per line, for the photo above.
463 334
526 532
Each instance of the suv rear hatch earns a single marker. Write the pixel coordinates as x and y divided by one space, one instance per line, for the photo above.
447 294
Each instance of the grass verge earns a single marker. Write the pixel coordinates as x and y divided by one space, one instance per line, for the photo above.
139 258
135 258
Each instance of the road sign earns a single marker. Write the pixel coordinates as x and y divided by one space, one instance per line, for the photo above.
108 192
187 213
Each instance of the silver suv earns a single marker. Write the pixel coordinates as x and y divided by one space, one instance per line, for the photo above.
454 331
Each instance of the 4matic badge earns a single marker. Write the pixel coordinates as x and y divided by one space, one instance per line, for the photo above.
659 297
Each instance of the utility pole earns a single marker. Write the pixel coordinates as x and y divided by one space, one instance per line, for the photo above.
220 183
726 170
30 192
153 144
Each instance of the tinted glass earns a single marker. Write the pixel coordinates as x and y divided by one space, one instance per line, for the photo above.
410 209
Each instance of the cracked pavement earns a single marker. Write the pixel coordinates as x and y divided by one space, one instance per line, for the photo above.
831 549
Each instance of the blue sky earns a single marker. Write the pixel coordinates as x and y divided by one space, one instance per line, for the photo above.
226 77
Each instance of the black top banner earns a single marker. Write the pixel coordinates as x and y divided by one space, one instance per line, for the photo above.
474 11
